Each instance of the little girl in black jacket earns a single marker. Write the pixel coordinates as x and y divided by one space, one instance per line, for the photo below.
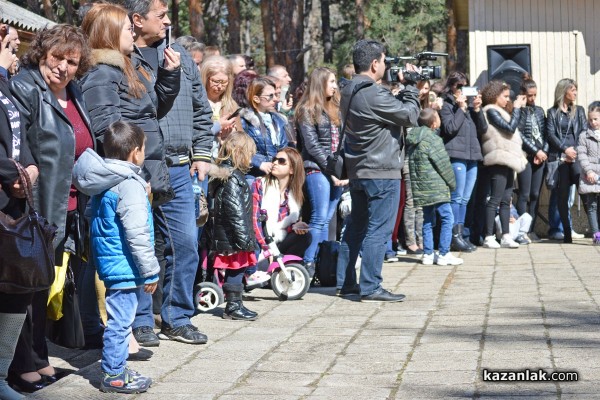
230 229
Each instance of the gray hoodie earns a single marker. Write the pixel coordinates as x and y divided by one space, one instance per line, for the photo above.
92 175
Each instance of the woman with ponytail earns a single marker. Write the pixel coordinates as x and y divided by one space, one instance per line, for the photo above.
532 125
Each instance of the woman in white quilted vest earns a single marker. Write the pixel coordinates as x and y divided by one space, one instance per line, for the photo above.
501 146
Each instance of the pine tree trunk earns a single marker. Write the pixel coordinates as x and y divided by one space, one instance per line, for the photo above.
69 12
234 45
267 24
326 32
175 18
451 38
212 23
360 19
289 36
196 21
48 12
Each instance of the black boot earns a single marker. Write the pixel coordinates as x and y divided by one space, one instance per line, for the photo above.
458 244
235 308
465 239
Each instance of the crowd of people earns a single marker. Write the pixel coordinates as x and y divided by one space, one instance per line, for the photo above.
112 123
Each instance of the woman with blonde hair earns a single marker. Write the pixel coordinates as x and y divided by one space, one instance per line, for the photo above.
564 123
217 78
318 121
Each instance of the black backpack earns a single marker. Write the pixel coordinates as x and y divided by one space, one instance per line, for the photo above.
326 263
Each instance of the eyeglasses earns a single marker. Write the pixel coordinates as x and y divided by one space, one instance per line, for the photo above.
219 83
269 97
279 160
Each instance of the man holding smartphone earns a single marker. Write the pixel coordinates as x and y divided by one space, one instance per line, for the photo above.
186 129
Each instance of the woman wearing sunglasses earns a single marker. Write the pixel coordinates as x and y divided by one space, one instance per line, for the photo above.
264 125
280 194
318 122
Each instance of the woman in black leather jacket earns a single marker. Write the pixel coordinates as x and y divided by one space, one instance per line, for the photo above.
564 123
55 123
230 225
532 126
318 122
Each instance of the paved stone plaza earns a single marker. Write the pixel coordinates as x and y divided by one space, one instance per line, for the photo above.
533 307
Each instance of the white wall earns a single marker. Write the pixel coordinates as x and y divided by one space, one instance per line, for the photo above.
548 27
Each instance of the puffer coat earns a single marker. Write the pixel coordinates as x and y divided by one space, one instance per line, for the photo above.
588 157
431 174
230 228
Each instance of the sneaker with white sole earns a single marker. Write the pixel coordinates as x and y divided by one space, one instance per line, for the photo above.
508 243
490 243
390 258
575 235
448 259
257 278
429 259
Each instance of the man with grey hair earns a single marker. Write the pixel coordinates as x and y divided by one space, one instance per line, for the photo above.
186 129
238 62
194 47
280 72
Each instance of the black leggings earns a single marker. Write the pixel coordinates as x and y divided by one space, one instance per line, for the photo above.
501 179
295 244
530 185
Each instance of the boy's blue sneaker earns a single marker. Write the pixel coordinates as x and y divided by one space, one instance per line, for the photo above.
128 382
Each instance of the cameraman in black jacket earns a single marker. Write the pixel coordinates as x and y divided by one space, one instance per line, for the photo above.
373 159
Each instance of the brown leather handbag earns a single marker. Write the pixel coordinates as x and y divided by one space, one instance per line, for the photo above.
26 250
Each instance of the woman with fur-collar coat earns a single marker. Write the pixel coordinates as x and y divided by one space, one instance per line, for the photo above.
122 87
264 125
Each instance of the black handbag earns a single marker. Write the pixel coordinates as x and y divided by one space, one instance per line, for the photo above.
326 263
26 249
552 174
335 161
68 330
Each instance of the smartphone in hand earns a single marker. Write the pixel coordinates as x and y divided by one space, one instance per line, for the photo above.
169 36
470 91
235 113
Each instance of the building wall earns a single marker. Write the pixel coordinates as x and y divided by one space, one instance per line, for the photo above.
561 35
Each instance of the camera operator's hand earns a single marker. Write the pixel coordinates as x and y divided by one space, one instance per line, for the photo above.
7 58
520 101
172 59
408 68
477 103
461 101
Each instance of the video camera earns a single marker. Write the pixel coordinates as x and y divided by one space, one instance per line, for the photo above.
427 71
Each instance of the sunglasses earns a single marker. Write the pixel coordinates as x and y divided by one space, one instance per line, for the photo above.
269 97
279 160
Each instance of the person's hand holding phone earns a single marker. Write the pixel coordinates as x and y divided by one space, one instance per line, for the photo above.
300 227
172 59
477 102
520 101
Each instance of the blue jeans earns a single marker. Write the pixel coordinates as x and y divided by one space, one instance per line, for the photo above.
445 212
555 226
465 172
324 198
374 209
120 309
176 221
86 296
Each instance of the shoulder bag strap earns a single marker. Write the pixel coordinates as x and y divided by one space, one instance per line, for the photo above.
357 87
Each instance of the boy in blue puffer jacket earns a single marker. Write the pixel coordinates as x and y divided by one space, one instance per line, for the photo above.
122 241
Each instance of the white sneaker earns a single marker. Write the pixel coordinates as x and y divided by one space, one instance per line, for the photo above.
448 259
508 242
257 278
400 252
575 235
490 243
429 259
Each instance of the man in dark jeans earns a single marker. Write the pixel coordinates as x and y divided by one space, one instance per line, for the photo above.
372 147
186 129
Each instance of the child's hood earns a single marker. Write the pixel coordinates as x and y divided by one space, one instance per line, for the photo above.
417 135
92 174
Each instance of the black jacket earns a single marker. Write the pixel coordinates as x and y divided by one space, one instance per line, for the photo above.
555 138
530 145
8 171
314 142
460 130
230 226
373 141
51 140
105 91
